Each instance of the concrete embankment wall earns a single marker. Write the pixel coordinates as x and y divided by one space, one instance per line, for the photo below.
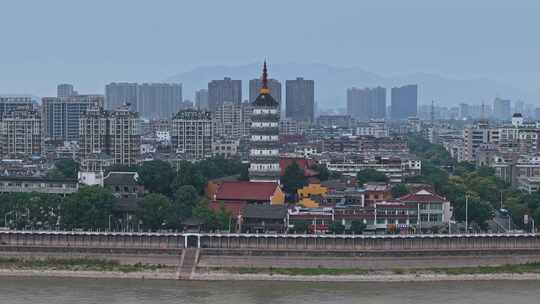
301 251
177 241
374 261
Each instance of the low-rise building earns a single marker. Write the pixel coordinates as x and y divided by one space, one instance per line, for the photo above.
26 184
225 148
250 192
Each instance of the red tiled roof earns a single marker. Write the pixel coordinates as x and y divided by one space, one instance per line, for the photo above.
235 208
246 191
422 196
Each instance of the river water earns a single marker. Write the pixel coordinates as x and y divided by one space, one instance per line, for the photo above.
104 291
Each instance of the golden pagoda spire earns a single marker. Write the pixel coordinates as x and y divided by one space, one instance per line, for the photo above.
265 89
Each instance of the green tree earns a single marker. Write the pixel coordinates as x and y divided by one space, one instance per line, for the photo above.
463 168
203 212
156 176
186 198
87 209
370 175
479 211
336 228
536 216
154 211
64 168
293 178
301 227
399 190
322 170
357 227
244 173
224 218
189 174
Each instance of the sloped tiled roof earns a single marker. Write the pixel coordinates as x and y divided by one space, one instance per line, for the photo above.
265 211
121 178
265 100
422 196
246 191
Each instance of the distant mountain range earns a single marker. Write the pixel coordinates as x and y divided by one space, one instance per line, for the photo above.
332 82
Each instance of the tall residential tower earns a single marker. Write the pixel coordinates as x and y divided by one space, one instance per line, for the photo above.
300 94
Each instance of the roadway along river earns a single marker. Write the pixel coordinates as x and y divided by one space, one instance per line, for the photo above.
63 291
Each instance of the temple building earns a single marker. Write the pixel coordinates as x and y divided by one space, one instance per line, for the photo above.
264 142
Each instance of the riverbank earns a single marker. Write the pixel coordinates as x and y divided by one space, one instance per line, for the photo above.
100 269
222 276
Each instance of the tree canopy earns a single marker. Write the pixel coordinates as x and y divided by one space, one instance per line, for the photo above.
370 175
293 178
156 176
64 168
87 209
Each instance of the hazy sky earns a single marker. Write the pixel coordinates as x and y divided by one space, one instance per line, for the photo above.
92 42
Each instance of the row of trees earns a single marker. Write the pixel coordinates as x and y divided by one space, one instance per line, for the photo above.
175 195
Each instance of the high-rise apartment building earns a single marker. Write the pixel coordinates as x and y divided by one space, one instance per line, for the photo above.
255 86
159 100
201 99
366 104
115 133
264 142
118 94
226 90
404 102
124 136
300 98
9 104
61 115
191 134
20 133
229 120
502 109
65 90
93 132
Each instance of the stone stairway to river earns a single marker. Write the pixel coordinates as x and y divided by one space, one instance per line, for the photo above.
188 262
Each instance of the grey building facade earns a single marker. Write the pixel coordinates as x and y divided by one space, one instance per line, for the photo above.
159 100
118 94
365 104
201 99
65 90
191 134
404 102
226 90
20 133
300 98
61 115
9 104
502 109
